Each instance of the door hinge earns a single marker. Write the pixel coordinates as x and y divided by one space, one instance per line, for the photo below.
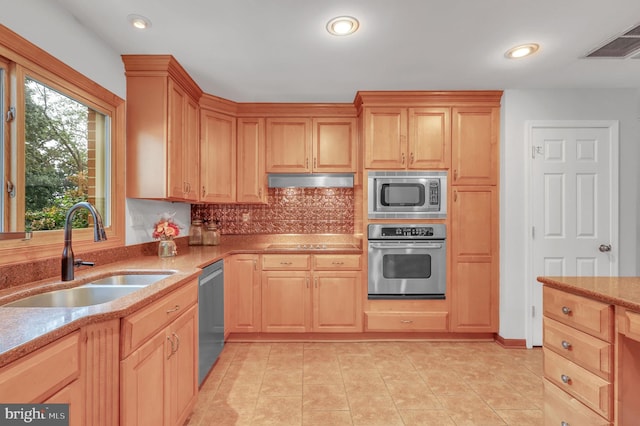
11 114
533 311
533 232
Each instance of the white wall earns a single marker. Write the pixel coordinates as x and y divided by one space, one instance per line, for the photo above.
519 106
46 25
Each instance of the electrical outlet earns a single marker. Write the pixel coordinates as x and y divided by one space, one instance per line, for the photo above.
245 217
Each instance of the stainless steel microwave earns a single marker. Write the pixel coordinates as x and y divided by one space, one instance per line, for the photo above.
407 195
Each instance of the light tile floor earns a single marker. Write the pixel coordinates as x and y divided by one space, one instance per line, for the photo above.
372 383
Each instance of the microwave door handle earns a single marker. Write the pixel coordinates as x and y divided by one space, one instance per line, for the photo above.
408 245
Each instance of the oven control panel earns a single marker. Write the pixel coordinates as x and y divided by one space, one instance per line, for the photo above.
394 231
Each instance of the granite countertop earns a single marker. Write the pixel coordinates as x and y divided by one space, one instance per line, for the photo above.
27 329
621 291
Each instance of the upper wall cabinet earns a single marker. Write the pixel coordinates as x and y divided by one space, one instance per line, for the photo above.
475 145
407 138
162 129
251 183
304 145
217 158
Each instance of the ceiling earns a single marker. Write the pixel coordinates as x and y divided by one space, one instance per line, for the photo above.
279 50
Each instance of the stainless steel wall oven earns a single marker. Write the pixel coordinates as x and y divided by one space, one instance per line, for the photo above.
407 261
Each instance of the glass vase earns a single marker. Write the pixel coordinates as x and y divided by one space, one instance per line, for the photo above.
167 248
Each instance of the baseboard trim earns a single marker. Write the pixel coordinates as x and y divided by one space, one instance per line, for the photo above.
359 337
511 343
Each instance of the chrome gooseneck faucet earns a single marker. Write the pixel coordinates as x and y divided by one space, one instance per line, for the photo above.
68 262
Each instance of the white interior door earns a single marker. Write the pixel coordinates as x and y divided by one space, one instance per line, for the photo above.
574 205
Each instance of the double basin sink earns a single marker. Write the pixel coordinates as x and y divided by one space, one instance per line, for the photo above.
102 290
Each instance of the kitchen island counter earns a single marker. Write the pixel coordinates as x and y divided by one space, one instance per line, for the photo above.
621 291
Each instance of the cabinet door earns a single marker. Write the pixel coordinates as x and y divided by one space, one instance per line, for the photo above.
218 158
385 138
143 385
72 394
286 301
429 138
251 182
288 145
475 139
175 166
191 150
337 301
182 368
334 145
242 285
474 248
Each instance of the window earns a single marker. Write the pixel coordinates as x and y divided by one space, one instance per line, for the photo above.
62 142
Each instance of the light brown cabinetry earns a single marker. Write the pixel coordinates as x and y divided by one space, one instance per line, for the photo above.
474 254
217 157
158 371
251 178
627 377
242 294
303 145
475 141
299 298
578 354
162 129
407 138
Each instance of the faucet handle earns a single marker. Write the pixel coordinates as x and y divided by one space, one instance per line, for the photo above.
80 262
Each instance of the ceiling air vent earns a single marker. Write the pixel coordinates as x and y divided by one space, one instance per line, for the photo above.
622 47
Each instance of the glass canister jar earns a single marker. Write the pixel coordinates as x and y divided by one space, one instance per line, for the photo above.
211 235
195 233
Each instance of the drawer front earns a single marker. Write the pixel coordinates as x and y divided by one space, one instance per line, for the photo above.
141 325
585 350
593 391
39 375
561 408
629 323
279 262
407 321
337 261
590 316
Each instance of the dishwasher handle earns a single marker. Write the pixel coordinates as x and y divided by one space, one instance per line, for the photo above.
209 277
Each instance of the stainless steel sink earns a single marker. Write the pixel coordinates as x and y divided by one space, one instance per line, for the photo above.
130 279
85 295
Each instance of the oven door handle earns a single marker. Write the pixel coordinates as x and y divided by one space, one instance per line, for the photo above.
406 245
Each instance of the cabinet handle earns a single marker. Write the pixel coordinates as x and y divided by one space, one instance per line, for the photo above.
403 158
177 341
315 281
255 265
565 379
286 263
566 345
337 263
411 158
203 191
406 321
455 174
306 162
260 193
174 309
172 347
455 196
315 162
307 282
566 310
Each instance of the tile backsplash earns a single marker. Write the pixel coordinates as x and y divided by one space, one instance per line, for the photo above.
288 211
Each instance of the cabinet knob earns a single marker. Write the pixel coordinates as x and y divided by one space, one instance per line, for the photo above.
564 424
566 310
565 379
406 321
566 345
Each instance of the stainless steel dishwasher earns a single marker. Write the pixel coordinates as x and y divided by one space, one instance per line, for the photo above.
210 317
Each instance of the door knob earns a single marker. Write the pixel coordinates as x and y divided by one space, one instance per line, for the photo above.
604 248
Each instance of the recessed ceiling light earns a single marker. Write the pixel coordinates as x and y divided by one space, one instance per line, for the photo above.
139 22
343 25
522 51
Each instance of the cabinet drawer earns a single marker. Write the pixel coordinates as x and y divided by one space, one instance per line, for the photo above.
587 351
593 391
629 323
406 321
275 262
141 325
590 316
561 408
39 375
337 261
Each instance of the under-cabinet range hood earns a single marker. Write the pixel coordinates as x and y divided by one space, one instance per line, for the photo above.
311 180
